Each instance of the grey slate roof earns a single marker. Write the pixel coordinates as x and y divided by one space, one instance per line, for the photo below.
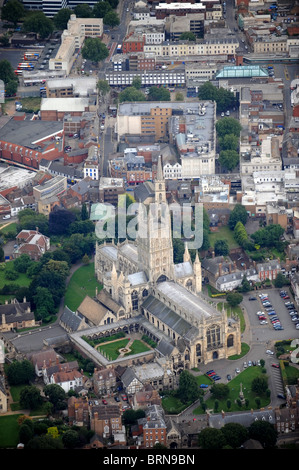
245 419
164 347
168 316
143 191
70 319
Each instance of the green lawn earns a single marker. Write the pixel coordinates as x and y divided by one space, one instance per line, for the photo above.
245 378
237 311
138 347
112 349
173 405
83 282
22 280
223 233
9 431
11 227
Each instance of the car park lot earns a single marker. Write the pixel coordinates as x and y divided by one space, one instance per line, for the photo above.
274 312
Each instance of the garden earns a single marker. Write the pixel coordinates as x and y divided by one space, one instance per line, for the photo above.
82 283
114 346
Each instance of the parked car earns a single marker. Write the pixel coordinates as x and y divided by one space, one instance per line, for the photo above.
269 352
245 364
203 386
249 363
252 298
105 402
216 377
280 395
237 371
116 399
124 397
228 377
275 365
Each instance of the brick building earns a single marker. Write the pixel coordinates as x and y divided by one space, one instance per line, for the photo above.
104 381
105 420
28 142
55 109
78 412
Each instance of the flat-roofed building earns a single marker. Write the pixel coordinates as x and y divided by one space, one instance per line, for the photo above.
55 109
72 39
50 188
71 87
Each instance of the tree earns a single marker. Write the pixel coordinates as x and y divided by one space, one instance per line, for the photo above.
280 280
44 303
11 88
268 236
211 438
229 159
240 234
22 263
85 259
220 391
225 99
158 94
259 385
94 49
136 83
263 432
234 434
131 94
55 393
60 220
4 40
20 372
234 299
188 35
13 11
7 72
44 442
239 213
61 18
70 439
103 87
58 267
245 285
179 96
25 433
38 23
100 9
30 397
221 248
83 11
29 221
188 388
228 125
111 19
229 142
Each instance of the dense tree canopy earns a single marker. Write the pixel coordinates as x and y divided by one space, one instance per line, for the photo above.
83 11
228 126
111 19
39 23
158 94
20 372
61 18
188 388
131 94
225 99
94 49
30 397
12 11
238 213
268 236
263 432
100 9
229 159
234 299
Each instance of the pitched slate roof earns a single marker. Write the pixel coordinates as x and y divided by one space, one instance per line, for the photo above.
168 316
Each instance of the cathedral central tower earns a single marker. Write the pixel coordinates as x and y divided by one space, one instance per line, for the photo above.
155 250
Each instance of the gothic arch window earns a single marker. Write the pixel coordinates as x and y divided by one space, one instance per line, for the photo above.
213 337
230 341
134 298
120 295
162 278
160 186
198 350
145 293
189 283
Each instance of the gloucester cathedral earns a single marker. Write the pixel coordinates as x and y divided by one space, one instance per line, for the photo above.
142 279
